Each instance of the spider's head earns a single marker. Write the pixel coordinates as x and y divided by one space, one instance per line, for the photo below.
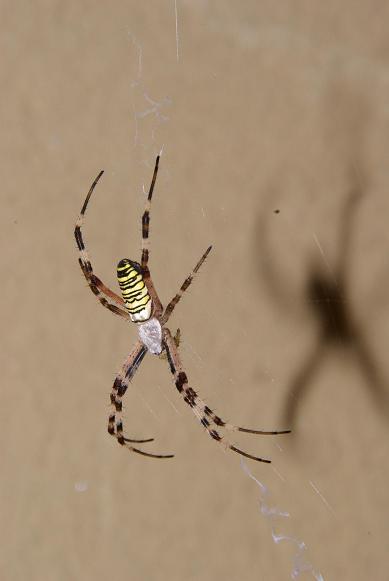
134 290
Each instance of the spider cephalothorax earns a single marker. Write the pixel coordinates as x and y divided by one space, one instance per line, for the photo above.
141 305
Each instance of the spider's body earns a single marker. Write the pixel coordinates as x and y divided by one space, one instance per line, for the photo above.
150 333
136 296
140 304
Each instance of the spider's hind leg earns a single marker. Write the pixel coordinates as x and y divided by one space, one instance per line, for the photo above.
145 245
171 306
105 295
146 218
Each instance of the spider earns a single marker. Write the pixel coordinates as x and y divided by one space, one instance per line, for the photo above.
140 304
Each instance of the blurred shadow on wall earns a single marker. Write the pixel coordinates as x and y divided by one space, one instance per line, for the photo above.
326 296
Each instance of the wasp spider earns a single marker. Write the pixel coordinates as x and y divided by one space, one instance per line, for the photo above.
140 304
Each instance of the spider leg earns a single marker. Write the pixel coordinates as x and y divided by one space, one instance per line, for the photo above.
119 388
107 298
146 218
170 307
205 415
157 311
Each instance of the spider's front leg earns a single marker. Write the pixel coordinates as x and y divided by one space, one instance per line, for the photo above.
207 417
115 422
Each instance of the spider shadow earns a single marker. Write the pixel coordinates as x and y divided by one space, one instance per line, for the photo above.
326 297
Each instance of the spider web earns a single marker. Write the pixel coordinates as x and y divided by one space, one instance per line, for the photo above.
149 112
272 514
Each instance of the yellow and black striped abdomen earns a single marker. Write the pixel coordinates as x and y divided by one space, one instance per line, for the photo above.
134 291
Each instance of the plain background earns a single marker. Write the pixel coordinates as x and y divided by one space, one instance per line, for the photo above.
271 115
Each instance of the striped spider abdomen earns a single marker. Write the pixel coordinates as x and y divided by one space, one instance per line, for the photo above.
136 297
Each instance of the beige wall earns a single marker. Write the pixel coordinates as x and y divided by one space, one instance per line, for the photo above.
269 106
